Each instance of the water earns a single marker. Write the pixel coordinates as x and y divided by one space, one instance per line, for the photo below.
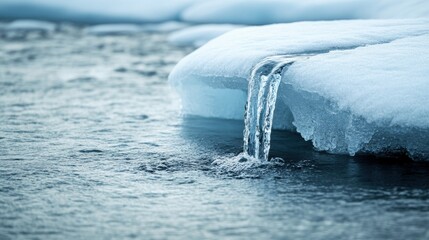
93 146
264 82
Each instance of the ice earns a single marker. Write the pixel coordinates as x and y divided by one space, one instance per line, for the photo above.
246 12
199 35
401 9
263 85
95 11
364 90
30 25
268 11
27 29
374 97
254 12
168 26
113 29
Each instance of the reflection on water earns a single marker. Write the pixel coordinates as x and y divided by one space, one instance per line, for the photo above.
92 145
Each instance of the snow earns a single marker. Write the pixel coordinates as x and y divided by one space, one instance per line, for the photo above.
199 35
362 88
254 12
30 25
396 77
375 94
113 29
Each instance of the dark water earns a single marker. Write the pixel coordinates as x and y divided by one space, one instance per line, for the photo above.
92 146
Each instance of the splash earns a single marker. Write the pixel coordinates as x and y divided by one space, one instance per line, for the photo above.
264 83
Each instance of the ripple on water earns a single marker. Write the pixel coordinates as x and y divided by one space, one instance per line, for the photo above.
90 151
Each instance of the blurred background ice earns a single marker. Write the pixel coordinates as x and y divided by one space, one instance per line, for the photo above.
167 15
209 11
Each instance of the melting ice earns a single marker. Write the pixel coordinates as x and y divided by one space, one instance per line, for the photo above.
261 102
326 97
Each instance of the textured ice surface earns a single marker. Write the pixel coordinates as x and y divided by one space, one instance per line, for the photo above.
365 90
278 11
113 29
199 35
373 97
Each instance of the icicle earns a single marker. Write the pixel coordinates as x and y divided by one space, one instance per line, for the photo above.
261 101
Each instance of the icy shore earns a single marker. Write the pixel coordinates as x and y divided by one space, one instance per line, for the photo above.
364 89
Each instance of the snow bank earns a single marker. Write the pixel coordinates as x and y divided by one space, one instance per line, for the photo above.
254 12
364 90
113 29
199 35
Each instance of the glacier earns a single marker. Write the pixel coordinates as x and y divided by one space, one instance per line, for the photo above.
362 87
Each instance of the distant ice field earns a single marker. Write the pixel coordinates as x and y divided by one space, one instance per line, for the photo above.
245 12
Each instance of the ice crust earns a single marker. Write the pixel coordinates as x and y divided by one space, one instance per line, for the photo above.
199 35
364 89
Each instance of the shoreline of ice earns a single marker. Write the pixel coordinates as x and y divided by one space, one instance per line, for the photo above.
364 91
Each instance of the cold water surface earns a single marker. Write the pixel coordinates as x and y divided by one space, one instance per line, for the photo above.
93 146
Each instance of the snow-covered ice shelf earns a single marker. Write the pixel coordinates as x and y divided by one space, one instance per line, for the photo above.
254 12
365 88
